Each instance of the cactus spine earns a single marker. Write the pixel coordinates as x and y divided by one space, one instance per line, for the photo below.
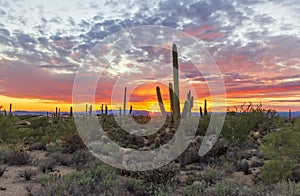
160 102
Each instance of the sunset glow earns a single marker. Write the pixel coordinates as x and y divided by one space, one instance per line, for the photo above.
42 45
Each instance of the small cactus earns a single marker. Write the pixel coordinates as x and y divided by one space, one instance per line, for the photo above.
157 142
205 108
90 110
10 110
106 108
124 109
71 112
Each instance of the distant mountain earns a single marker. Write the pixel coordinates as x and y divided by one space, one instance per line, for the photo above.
286 114
134 113
43 113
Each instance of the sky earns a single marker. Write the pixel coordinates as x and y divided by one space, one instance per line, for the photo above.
255 44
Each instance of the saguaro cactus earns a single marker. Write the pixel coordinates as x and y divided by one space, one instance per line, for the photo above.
205 108
188 105
106 108
91 110
71 112
160 101
171 94
201 114
10 109
176 102
56 112
124 109
176 97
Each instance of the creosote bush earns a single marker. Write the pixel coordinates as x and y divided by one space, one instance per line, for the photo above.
16 158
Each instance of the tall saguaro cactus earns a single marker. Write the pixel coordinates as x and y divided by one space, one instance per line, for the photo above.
176 97
160 101
176 102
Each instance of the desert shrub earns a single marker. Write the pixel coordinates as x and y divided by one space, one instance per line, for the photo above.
61 159
8 128
37 146
211 176
27 174
282 148
276 171
131 185
46 166
238 125
38 122
196 189
58 130
80 158
16 158
165 174
290 188
154 182
71 143
221 189
97 180
139 187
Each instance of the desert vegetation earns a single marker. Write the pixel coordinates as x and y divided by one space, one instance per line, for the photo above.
256 154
